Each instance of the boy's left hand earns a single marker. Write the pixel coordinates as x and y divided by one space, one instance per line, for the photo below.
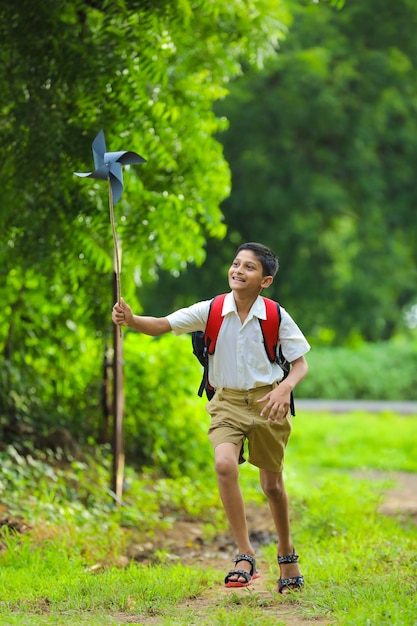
277 403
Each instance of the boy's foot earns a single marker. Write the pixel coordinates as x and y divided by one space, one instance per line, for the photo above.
244 572
291 578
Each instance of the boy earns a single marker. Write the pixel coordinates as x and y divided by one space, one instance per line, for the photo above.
249 402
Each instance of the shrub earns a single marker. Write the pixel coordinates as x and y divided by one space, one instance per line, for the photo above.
165 422
380 371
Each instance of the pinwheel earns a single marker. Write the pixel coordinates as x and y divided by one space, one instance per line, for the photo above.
108 166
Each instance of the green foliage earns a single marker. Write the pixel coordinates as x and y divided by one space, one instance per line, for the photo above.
380 371
46 482
51 364
63 492
148 73
322 146
152 93
165 421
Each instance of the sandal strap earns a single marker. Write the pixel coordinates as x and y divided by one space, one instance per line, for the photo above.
296 582
249 559
240 572
289 558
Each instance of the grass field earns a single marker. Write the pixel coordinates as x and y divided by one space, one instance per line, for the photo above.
360 566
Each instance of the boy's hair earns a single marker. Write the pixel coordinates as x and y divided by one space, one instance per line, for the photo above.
267 258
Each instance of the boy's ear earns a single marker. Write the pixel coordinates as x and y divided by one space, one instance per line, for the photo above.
266 281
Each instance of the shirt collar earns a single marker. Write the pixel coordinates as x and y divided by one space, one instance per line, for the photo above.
258 307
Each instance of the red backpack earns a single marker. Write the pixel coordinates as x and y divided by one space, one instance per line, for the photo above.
204 343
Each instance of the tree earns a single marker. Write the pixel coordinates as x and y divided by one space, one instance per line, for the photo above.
322 146
148 74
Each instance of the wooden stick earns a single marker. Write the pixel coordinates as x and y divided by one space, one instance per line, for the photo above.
116 250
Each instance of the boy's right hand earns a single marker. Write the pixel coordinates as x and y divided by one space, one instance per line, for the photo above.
122 313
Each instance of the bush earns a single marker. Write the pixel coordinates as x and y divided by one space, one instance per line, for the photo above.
165 422
380 371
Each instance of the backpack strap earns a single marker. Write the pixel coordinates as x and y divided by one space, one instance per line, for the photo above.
270 332
270 328
209 337
214 322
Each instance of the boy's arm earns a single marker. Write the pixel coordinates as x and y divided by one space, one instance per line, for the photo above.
122 315
278 400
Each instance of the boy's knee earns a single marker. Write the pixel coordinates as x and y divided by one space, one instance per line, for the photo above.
225 466
273 488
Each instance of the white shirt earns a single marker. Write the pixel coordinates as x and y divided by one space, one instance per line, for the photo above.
240 360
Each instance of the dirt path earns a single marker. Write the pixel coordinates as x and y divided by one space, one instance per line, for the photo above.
185 544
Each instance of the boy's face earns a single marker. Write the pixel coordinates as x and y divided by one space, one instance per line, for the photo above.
246 274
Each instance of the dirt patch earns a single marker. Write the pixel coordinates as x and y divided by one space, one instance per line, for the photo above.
185 541
401 500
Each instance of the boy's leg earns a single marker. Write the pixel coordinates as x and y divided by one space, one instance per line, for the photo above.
226 456
272 484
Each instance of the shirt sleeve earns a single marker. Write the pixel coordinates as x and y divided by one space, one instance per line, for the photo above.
190 319
292 340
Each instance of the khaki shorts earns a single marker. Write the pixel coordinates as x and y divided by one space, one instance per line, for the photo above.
235 417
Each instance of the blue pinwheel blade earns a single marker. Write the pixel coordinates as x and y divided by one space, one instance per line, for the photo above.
116 181
115 160
102 173
99 149
129 158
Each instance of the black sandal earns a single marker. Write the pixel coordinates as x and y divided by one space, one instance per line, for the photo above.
296 583
248 576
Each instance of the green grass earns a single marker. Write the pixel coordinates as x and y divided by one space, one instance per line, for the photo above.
46 580
354 441
360 567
